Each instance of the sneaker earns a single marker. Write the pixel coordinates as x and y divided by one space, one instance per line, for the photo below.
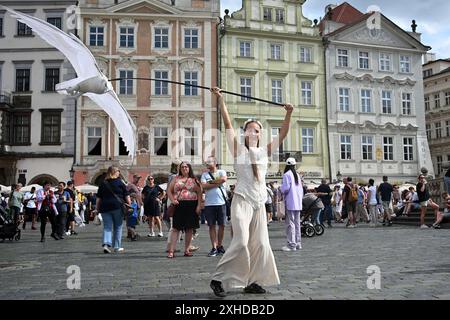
118 250
73 233
217 288
68 233
195 236
54 236
298 246
221 250
106 249
424 226
436 226
389 223
329 225
160 234
213 252
254 288
151 234
287 249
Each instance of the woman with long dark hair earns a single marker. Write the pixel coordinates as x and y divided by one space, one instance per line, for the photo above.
184 191
292 189
249 262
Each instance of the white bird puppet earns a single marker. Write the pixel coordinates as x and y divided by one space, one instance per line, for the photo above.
90 81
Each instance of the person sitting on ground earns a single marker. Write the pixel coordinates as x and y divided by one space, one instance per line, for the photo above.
445 217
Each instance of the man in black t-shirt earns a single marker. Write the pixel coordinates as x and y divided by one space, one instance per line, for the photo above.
324 193
424 199
385 192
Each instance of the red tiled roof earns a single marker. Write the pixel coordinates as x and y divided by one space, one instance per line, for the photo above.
345 13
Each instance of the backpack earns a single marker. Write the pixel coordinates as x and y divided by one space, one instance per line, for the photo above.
353 195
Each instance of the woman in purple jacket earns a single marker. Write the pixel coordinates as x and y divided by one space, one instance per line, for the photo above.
293 193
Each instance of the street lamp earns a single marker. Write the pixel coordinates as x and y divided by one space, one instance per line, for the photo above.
339 176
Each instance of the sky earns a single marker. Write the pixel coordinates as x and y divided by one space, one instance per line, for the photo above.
432 17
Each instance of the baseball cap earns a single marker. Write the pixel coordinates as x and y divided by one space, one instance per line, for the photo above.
291 161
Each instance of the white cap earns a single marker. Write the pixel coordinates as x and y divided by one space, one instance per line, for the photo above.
291 161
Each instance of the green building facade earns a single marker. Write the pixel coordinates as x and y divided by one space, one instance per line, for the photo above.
269 50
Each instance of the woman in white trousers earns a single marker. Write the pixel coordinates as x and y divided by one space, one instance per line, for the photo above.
249 262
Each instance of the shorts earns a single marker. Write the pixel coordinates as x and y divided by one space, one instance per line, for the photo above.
30 211
350 207
424 203
71 216
215 215
268 207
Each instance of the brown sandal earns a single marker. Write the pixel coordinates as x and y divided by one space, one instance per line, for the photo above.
170 255
188 254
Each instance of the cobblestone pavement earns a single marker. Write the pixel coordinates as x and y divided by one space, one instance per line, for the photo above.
414 264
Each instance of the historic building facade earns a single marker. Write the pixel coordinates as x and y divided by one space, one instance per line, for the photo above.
436 75
269 50
163 41
37 124
375 96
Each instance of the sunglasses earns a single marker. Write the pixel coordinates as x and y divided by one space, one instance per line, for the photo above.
151 178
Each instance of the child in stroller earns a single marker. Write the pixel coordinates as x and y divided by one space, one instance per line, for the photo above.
312 209
8 229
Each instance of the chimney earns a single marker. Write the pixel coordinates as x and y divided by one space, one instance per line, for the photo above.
430 57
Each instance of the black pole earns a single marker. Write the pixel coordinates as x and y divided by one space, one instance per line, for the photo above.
201 87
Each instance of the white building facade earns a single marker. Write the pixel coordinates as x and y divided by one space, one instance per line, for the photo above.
37 124
375 100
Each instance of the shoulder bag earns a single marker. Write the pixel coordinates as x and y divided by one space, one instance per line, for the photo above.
227 202
126 208
171 209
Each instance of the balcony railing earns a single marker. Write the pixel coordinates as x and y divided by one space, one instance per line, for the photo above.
5 97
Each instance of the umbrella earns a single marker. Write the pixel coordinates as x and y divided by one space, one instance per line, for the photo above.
28 188
163 186
5 189
87 188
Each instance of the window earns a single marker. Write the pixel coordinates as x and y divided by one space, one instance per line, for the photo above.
191 77
406 104
22 80
427 73
94 141
405 64
162 38
346 147
276 155
428 130
51 78
305 54
279 15
21 128
56 21
388 148
190 38
344 99
385 62
161 88
6 127
127 37
408 149
342 58
123 151
96 36
447 98
191 141
277 91
439 164
427 103
23 29
447 128
437 101
438 128
306 93
267 14
51 127
367 147
366 105
245 49
1 26
386 101
246 89
126 84
161 141
307 140
363 60
275 51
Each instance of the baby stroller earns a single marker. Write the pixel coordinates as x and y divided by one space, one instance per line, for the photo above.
8 229
307 224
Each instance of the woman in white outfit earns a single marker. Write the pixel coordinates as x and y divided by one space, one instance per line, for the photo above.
249 262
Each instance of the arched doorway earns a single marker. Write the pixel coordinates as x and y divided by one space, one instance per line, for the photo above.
43 178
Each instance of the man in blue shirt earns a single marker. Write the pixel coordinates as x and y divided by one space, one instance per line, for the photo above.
215 204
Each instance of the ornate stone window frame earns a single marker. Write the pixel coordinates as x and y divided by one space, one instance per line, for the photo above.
161 24
96 22
126 23
160 120
94 119
191 25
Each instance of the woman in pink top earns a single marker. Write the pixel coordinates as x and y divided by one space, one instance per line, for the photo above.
185 192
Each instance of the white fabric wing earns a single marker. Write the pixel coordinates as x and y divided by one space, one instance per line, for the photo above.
110 103
76 52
